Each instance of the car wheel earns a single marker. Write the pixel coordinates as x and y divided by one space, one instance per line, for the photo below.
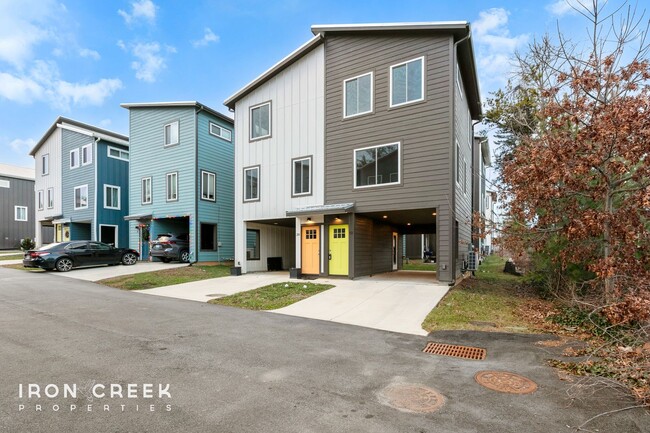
129 259
165 260
63 264
185 256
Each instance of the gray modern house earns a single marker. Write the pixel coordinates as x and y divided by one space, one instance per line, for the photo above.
17 205
359 137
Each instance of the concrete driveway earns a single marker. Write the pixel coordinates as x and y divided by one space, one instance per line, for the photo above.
97 273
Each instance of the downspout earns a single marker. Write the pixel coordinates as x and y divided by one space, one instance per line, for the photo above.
453 162
96 228
475 194
197 183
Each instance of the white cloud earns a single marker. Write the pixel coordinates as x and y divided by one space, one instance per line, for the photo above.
562 7
86 52
208 37
145 9
19 89
150 59
22 146
87 94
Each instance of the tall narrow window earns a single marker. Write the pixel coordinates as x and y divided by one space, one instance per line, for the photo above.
41 199
172 186
50 198
45 164
146 190
208 186
171 133
459 81
251 183
302 176
20 213
464 175
74 158
252 244
87 154
377 165
81 197
260 121
358 95
407 82
457 163
221 132
111 197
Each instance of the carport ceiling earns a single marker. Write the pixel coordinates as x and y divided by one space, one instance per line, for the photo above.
417 217
285 222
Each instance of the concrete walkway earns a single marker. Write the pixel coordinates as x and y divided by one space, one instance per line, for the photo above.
102 272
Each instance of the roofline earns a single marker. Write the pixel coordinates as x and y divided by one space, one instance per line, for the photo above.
424 25
14 175
292 57
129 105
60 120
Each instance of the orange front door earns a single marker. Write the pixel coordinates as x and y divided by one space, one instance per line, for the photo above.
310 247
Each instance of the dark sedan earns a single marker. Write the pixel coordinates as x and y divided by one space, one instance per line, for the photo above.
67 255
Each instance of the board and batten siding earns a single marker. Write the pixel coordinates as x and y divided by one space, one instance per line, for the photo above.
52 147
112 171
297 97
16 192
74 177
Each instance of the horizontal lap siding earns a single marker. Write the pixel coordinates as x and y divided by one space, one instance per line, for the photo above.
71 178
111 171
19 193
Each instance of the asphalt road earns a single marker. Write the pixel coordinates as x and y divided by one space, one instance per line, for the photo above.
232 370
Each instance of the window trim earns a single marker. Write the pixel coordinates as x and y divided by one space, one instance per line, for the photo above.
40 199
45 162
293 176
77 158
464 175
74 197
259 176
457 163
90 154
390 75
16 208
50 195
259 244
250 121
372 95
399 166
214 182
211 124
178 133
150 179
167 175
120 151
119 197
117 233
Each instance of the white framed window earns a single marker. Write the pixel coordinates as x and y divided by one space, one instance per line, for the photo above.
251 183
171 133
358 95
252 244
459 81
208 186
74 158
20 213
111 197
260 121
87 154
41 199
407 82
457 163
172 186
114 152
301 174
146 190
464 175
81 197
377 165
220 132
50 198
45 164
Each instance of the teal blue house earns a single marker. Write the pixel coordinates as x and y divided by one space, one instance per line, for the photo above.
82 187
181 178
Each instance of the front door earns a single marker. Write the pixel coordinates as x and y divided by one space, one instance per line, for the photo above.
59 233
108 234
395 250
338 256
310 250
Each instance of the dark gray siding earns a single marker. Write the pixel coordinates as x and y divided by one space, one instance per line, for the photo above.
19 193
373 245
362 246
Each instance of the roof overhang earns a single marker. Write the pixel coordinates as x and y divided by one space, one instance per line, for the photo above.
61 221
138 217
89 130
195 104
325 209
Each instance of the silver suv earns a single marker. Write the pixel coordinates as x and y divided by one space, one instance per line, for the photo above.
169 246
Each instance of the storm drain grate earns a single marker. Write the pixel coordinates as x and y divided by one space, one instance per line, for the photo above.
465 352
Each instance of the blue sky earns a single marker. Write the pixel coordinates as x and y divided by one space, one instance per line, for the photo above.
81 59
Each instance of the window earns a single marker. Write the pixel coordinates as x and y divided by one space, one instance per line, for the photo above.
41 199
98 246
208 237
339 233
464 176
114 152
218 131
146 190
87 154
459 80
457 162
377 165
261 121
171 133
358 95
208 186
407 82
251 183
81 197
50 198
252 244
20 213
172 186
311 234
302 176
111 197
74 158
45 164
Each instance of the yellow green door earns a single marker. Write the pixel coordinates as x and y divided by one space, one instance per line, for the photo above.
59 233
338 256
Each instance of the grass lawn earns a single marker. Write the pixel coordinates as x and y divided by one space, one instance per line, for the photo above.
20 267
273 296
491 297
417 265
12 257
167 277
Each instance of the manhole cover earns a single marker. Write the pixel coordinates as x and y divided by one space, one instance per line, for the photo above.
465 352
412 398
504 381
